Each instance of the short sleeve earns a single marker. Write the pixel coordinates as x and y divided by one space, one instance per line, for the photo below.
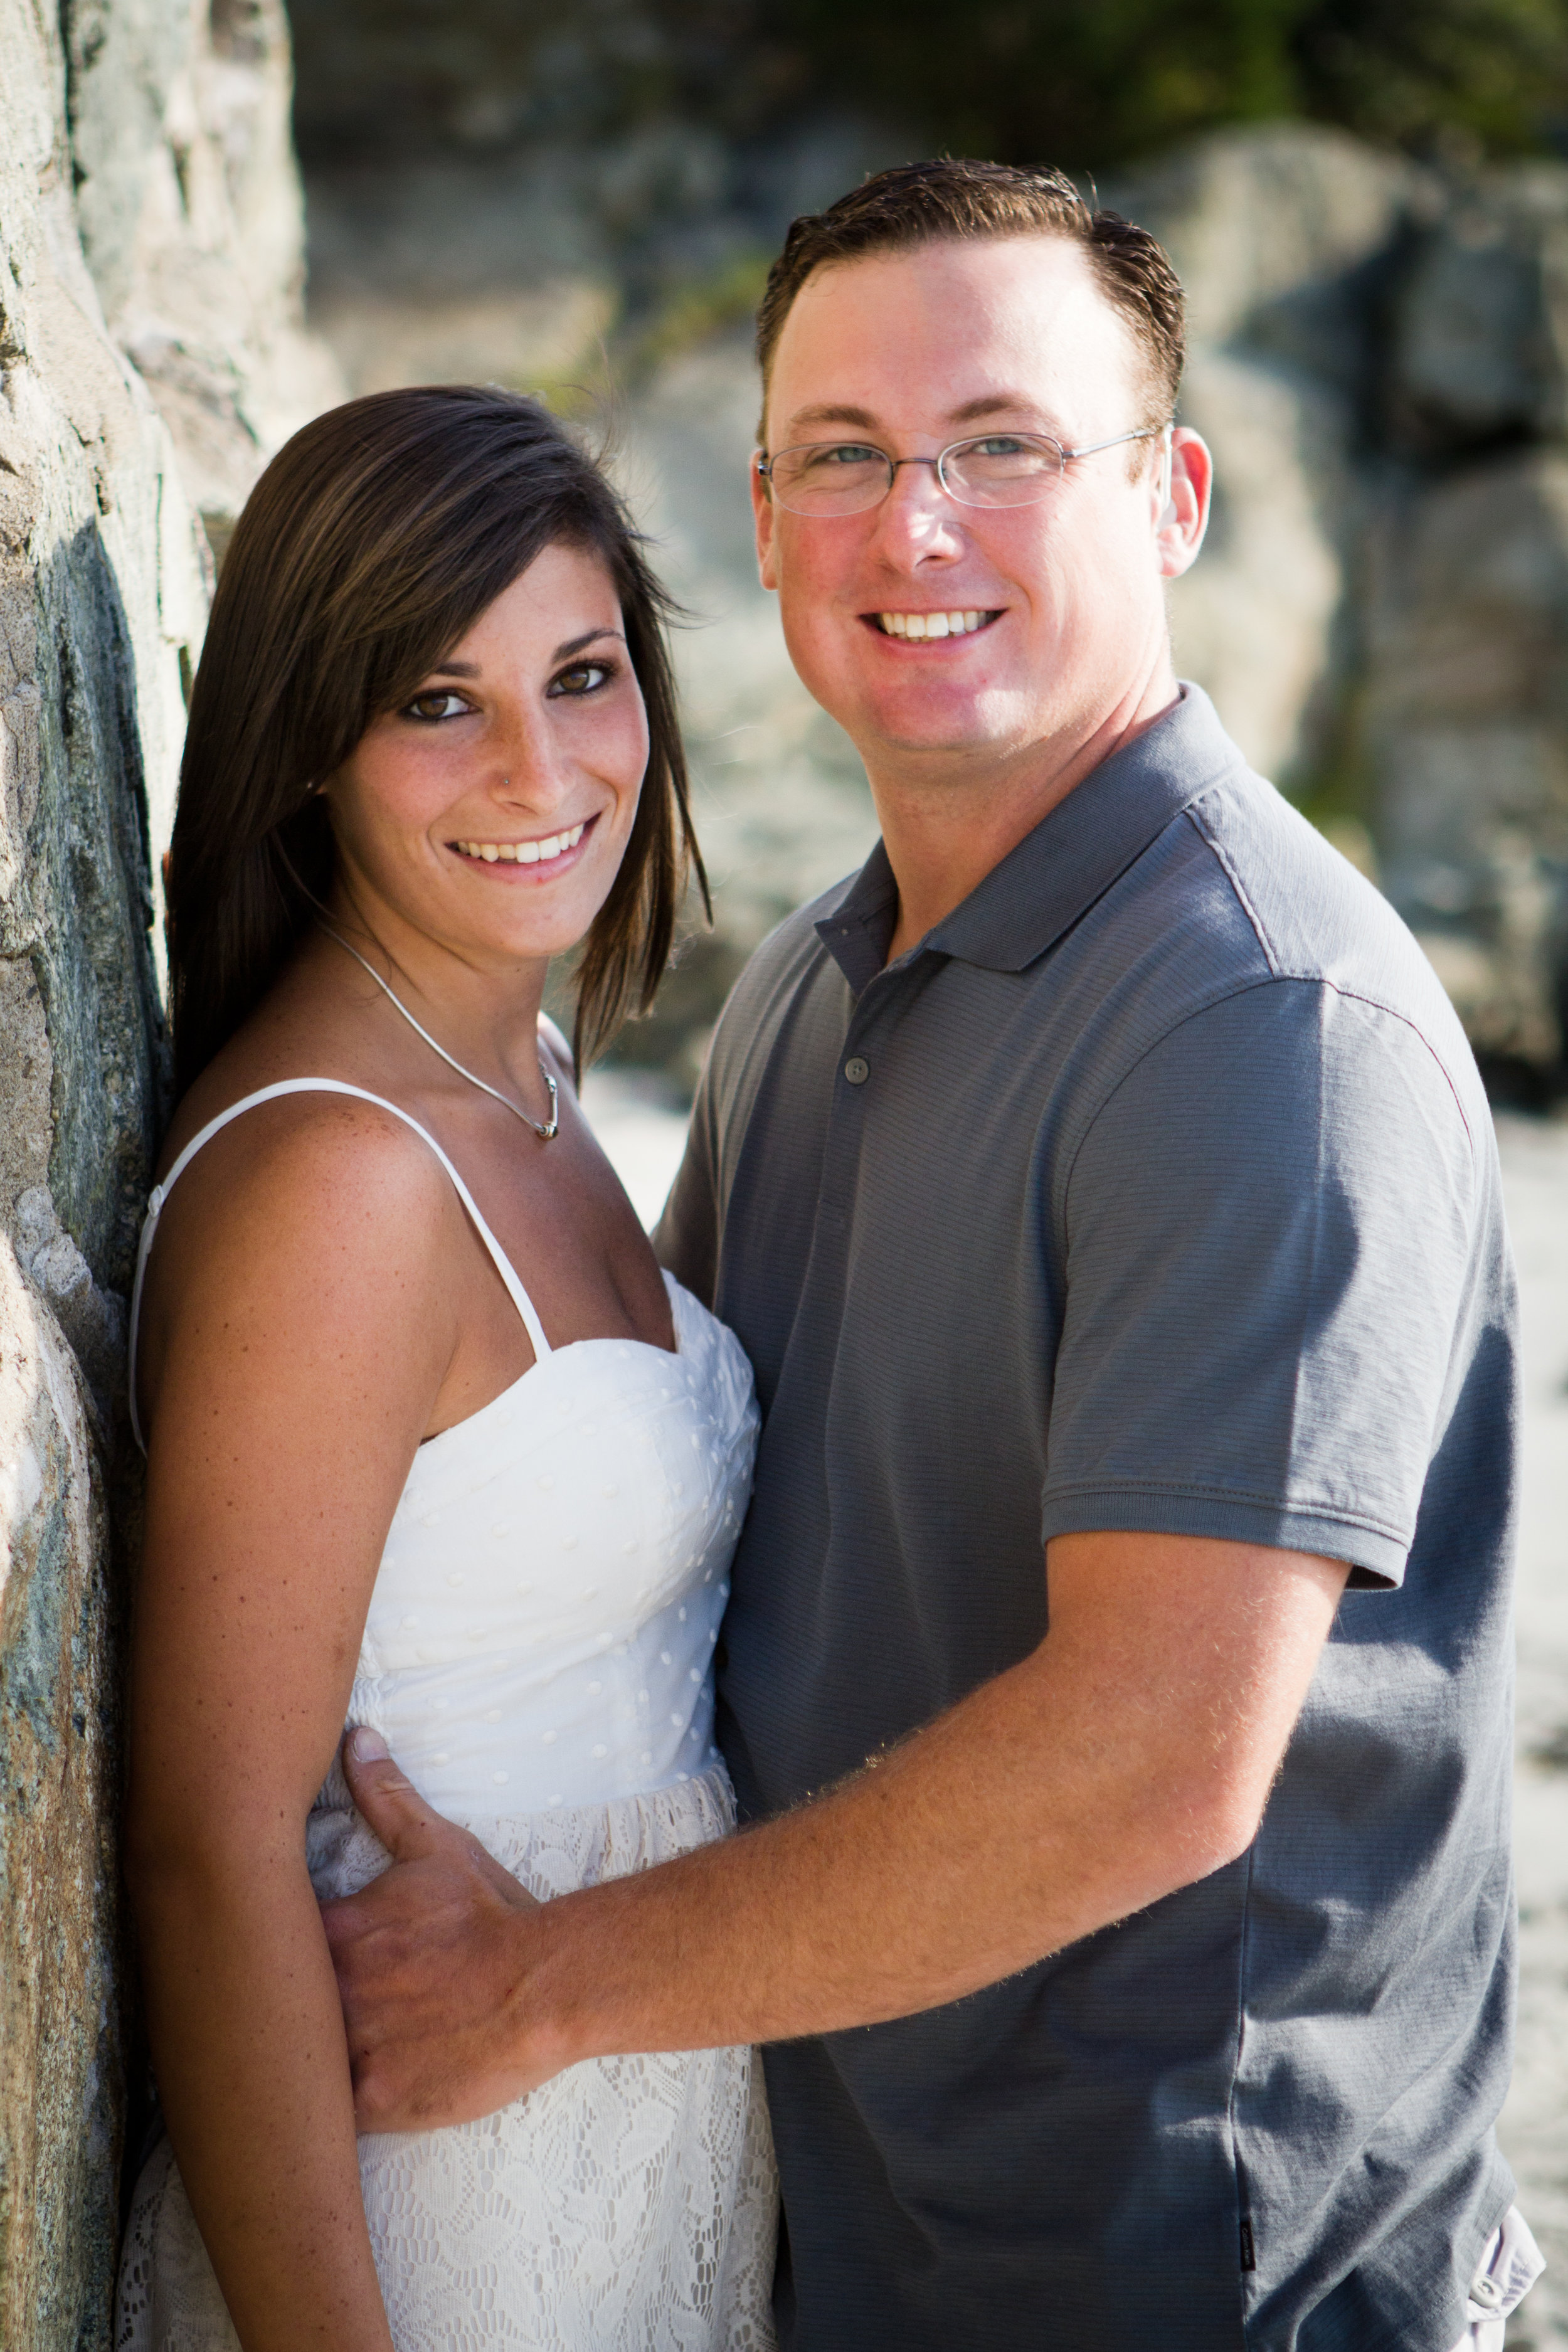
1268 1251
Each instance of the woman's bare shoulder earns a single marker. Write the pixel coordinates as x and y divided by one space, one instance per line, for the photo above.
306 1255
308 1176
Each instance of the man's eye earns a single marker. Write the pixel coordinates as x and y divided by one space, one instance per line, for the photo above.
439 703
999 445
849 452
583 678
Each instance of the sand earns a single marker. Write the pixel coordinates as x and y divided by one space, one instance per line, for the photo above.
1534 2124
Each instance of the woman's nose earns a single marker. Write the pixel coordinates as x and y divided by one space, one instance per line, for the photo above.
528 770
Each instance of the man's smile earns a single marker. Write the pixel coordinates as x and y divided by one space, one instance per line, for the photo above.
927 625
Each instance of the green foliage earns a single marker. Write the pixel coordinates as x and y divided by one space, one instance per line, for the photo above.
1088 83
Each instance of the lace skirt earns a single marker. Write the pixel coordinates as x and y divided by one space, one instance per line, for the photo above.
628 2206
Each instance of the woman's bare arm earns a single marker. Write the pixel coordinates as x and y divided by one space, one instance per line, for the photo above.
298 1341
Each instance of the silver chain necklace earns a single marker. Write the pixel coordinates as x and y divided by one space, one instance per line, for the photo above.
546 1132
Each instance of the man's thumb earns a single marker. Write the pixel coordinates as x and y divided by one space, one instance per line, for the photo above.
406 1826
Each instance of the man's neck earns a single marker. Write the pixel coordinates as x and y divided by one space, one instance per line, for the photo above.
945 830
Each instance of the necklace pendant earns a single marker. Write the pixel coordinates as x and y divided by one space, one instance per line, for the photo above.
551 1127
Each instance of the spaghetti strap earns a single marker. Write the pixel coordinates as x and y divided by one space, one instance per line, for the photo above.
160 1193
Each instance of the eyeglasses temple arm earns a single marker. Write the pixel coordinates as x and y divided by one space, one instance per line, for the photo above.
1091 449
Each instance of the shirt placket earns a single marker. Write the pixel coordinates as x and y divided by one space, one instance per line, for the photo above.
867 1041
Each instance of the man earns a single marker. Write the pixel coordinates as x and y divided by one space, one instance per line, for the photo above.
1117 1668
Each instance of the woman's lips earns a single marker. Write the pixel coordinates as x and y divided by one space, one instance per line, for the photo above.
543 851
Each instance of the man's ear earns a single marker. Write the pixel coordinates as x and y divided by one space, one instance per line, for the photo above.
763 510
1188 469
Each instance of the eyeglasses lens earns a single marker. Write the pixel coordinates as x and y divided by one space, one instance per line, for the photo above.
831 478
844 477
1005 469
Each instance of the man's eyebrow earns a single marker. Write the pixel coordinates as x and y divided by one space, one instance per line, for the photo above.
989 404
993 404
832 413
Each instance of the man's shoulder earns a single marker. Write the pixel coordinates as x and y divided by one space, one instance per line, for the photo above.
1314 917
1239 920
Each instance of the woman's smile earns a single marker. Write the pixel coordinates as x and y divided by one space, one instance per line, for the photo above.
554 852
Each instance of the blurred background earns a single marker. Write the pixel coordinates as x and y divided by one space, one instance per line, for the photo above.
1368 203
1367 200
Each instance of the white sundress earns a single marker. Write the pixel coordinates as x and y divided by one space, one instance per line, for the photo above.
538 1654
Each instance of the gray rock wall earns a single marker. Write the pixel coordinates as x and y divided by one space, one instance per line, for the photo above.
190 212
1380 358
146 200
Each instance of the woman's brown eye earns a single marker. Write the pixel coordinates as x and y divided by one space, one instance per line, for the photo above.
436 706
583 678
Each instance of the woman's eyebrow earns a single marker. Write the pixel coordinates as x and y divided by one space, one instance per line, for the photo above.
589 636
563 653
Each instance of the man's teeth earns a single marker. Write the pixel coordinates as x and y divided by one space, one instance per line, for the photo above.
524 853
932 624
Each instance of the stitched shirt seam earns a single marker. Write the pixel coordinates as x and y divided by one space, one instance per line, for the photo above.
1277 966
1063 1490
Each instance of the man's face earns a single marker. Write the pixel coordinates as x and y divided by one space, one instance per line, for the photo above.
911 352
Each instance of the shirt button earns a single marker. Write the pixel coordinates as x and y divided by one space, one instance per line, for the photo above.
856 1071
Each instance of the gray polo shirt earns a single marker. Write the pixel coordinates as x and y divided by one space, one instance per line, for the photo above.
1154 1189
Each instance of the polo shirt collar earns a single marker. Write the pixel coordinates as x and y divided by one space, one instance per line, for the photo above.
1057 871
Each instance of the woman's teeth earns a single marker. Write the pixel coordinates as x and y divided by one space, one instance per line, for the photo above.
524 853
932 624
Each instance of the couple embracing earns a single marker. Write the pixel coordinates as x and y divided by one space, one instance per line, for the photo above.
1051 1479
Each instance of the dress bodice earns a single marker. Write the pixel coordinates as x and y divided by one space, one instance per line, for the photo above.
542 1625
544 1616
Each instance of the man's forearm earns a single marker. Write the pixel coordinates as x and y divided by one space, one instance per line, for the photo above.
1130 1755
1051 1801
927 1875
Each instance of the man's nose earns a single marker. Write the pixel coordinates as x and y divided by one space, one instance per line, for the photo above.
917 513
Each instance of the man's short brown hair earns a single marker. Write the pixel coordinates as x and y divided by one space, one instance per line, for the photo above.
920 203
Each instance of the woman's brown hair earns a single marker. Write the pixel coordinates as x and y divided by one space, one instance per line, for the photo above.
371 544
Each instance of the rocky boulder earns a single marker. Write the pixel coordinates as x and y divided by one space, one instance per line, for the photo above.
190 212
1283 237
1465 723
153 147
1480 318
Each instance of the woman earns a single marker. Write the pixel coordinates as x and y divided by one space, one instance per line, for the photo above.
432 1446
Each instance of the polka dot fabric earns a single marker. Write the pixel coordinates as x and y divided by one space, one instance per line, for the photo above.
544 1618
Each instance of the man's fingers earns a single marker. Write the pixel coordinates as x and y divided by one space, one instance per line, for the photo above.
407 1827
